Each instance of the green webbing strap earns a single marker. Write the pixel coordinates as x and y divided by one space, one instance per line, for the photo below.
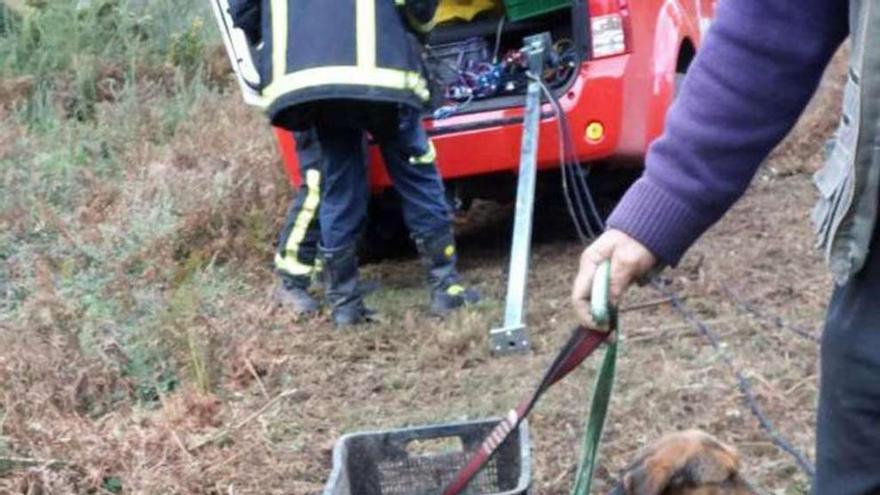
605 316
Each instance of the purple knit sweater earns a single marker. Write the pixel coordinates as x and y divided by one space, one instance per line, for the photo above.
759 64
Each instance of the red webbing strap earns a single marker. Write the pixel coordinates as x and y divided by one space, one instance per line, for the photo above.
580 345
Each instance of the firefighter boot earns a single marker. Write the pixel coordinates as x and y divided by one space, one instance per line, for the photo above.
342 287
293 294
366 287
437 251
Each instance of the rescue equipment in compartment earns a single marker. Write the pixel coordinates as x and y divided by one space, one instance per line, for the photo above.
462 10
472 76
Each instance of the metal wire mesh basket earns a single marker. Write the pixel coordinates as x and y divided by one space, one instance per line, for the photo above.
423 460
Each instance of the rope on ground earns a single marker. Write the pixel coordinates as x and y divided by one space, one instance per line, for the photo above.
776 320
745 385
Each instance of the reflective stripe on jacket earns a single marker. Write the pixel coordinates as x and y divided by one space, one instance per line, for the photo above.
316 50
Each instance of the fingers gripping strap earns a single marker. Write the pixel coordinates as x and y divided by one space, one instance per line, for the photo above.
600 296
582 343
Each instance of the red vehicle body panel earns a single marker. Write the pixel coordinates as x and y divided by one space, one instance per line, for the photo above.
628 94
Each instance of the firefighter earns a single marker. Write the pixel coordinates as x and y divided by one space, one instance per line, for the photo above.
296 258
349 67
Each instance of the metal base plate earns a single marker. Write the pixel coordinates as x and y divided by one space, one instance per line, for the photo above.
510 340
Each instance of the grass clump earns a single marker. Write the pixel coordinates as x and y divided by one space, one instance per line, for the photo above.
76 54
137 194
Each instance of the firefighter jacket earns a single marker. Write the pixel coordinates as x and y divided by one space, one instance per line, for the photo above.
312 50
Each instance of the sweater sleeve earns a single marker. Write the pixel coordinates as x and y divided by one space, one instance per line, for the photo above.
760 63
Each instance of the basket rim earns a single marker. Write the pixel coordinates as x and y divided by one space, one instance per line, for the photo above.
525 474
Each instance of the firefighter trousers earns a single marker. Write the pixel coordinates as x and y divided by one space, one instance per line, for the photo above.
409 159
297 253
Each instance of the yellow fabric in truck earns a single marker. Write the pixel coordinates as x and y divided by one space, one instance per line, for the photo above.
463 10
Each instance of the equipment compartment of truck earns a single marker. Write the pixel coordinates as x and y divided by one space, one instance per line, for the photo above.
483 53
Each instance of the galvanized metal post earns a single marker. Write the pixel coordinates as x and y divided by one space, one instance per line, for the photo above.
513 336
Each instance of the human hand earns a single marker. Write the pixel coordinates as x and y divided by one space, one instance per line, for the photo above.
630 260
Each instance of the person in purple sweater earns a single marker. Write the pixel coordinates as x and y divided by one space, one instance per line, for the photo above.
760 64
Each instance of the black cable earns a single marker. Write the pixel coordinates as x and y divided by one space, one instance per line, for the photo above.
498 40
574 167
582 192
745 385
592 204
578 172
777 321
576 209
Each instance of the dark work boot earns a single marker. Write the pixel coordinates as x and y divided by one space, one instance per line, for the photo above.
342 288
437 251
293 294
366 287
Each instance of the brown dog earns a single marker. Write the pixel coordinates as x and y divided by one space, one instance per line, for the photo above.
685 463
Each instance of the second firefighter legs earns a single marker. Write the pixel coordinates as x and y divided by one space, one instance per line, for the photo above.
327 214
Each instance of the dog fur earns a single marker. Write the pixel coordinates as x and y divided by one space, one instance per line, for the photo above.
686 463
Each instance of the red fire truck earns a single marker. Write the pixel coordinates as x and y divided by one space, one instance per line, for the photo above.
633 54
629 57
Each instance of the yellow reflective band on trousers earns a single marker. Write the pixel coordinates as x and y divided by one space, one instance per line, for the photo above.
366 33
291 266
342 75
288 262
455 290
427 158
279 38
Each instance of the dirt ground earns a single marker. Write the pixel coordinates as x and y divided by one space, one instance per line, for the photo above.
415 371
289 389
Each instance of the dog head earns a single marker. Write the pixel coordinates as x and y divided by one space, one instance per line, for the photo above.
684 463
